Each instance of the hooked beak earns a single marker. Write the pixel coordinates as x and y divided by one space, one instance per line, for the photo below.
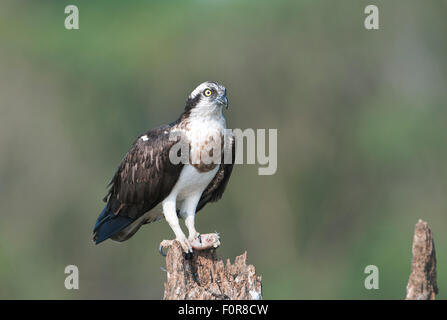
223 100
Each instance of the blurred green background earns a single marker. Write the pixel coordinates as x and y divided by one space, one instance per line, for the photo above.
361 118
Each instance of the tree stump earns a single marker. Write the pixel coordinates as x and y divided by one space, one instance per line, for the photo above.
422 283
206 277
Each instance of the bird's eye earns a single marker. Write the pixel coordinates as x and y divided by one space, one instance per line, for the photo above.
207 92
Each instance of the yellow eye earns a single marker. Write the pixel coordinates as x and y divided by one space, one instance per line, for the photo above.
207 92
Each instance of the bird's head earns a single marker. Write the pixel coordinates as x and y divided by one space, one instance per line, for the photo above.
207 97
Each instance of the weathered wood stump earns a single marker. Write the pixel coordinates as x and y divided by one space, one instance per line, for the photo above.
422 283
206 277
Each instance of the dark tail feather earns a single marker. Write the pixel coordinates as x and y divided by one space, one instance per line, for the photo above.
108 224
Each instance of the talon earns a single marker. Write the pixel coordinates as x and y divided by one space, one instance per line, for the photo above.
160 249
163 244
185 244
199 237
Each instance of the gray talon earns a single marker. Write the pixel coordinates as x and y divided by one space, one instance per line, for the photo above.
160 249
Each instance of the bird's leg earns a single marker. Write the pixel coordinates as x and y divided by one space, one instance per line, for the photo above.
200 241
189 214
170 213
193 234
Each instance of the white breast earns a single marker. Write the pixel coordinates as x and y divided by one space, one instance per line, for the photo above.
198 128
201 129
192 183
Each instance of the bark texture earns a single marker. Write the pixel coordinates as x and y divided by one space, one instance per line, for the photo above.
422 283
206 277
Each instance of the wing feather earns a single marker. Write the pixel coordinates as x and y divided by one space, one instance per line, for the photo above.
144 177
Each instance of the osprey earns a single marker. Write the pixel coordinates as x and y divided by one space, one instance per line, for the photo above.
148 185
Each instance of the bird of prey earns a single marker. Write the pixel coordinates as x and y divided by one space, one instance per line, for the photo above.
148 185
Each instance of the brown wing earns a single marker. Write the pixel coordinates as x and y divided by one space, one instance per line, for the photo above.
145 176
216 188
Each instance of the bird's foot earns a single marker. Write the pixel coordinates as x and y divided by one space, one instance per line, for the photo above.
164 244
205 241
195 237
198 242
184 243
